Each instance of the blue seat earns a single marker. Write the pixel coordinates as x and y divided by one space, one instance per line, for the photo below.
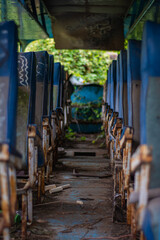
134 86
42 59
56 81
26 100
56 85
105 96
150 100
113 84
42 76
50 85
149 115
123 105
117 86
10 158
8 84
63 77
108 96
60 89
151 223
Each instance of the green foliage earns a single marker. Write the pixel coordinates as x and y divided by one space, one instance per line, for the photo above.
126 44
70 135
100 136
91 65
83 138
90 111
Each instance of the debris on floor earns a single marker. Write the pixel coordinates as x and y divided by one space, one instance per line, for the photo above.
82 208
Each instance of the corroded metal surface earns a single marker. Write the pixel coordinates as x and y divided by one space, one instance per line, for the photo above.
88 24
13 196
24 216
5 201
140 165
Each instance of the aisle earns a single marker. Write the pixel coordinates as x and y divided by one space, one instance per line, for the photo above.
85 209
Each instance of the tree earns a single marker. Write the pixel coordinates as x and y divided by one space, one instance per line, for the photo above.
91 65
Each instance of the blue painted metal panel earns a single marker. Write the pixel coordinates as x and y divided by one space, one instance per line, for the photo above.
87 94
26 100
149 67
42 77
150 100
133 73
63 77
82 95
8 83
117 83
113 84
60 87
149 117
56 85
42 81
51 71
151 223
122 81
109 86
146 227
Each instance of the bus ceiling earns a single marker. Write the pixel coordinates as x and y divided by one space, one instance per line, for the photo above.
80 24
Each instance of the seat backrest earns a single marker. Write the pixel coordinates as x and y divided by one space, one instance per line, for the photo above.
26 100
150 97
62 87
56 83
113 84
50 84
117 86
134 86
106 90
109 86
123 103
42 61
8 83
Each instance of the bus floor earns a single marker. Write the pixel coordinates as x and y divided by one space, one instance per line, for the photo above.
83 211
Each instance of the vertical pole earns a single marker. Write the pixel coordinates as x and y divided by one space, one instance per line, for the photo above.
128 160
46 133
39 185
24 216
48 155
45 142
36 161
143 197
30 205
32 167
5 199
128 208
51 163
31 160
6 235
43 180
13 195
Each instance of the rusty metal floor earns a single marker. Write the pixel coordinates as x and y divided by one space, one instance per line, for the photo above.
60 217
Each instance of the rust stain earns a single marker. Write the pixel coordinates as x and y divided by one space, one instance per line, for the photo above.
13 194
24 216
